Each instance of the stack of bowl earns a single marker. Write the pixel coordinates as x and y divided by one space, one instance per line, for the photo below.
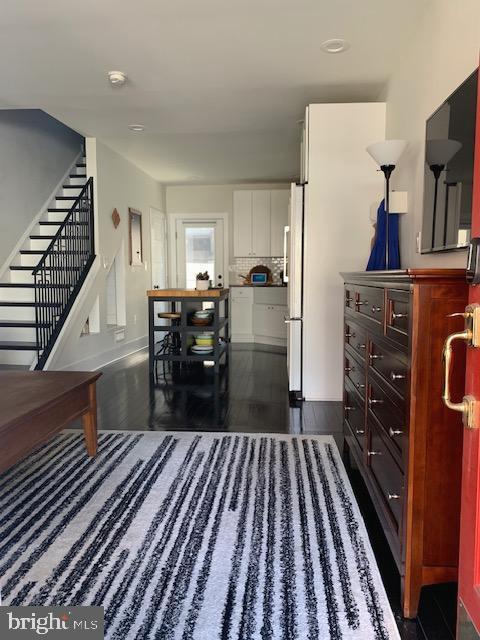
203 343
202 318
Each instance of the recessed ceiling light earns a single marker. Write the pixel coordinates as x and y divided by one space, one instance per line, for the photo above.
136 127
335 45
117 78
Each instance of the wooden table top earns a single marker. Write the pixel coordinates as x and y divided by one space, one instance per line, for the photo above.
26 392
186 293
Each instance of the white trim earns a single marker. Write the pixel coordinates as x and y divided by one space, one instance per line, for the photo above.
44 207
98 361
172 219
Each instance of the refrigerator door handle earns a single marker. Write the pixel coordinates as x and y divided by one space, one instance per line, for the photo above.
287 319
285 261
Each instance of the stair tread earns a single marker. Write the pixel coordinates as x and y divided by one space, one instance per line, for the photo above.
78 175
17 303
58 222
40 252
27 285
73 186
17 345
65 197
81 164
31 267
29 324
54 210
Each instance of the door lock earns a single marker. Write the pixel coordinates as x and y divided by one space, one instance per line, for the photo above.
469 406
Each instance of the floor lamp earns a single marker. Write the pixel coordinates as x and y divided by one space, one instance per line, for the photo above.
386 154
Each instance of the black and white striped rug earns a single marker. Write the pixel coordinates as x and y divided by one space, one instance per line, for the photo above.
189 536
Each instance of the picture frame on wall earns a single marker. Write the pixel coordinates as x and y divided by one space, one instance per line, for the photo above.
135 237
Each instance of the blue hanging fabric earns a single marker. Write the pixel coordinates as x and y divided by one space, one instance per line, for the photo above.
377 257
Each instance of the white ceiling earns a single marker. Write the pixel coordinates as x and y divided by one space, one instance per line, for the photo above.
218 84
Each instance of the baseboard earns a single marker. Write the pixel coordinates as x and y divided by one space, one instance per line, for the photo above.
241 337
100 360
324 399
275 342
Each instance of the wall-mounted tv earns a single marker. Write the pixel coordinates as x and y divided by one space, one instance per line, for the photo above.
448 183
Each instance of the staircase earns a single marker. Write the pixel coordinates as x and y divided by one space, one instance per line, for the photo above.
46 275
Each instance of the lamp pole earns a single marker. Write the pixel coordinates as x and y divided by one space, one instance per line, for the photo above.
387 172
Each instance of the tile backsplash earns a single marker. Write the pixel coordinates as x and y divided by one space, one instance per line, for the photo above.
243 266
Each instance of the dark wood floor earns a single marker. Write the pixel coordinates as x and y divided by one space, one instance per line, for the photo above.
252 396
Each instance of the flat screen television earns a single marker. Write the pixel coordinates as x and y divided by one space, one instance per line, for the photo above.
448 183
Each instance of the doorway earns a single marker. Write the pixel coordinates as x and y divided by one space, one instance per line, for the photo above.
158 235
200 247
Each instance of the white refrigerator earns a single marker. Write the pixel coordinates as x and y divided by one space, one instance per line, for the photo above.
293 277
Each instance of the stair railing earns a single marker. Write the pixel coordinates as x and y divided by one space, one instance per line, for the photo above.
62 270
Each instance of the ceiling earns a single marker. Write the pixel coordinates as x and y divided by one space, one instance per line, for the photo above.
219 84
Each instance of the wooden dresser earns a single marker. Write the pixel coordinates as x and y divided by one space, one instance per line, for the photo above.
406 444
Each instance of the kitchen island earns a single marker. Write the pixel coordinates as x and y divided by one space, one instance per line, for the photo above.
183 303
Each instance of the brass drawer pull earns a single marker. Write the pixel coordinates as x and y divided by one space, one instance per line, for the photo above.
395 432
375 356
374 401
359 432
347 408
376 309
359 385
348 369
348 300
361 303
393 496
361 346
398 315
374 453
349 335
396 376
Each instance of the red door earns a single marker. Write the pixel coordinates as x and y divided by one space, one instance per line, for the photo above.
469 563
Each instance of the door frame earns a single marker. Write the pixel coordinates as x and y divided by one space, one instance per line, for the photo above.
173 218
156 210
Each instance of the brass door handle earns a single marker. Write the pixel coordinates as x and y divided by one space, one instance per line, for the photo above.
469 406
361 346
396 376
376 309
374 453
359 432
398 315
375 356
374 401
395 432
393 496
361 303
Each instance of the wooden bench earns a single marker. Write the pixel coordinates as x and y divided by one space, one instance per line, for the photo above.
35 405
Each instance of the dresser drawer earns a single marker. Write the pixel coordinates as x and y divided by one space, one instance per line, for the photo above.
389 364
387 475
350 297
371 303
354 413
356 337
355 372
391 416
398 316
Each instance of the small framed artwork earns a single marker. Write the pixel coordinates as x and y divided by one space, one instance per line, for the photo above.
135 237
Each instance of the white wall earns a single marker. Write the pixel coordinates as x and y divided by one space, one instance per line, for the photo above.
442 52
119 184
342 185
35 152
210 199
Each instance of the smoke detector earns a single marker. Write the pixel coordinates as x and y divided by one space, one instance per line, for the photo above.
117 78
335 45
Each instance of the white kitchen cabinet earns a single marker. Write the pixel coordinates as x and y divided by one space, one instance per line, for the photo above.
259 217
261 223
242 314
269 321
242 223
279 202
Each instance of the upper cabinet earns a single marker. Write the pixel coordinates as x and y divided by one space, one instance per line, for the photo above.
259 218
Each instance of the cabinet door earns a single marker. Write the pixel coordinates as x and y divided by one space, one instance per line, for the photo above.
269 321
261 223
242 316
242 223
279 200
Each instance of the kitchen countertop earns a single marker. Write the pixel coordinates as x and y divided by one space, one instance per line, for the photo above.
187 293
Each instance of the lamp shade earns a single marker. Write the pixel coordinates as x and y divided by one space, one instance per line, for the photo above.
440 152
387 152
